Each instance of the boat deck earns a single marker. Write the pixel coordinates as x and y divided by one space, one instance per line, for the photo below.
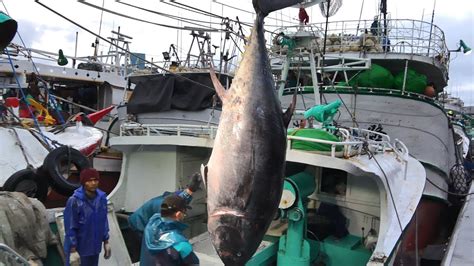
462 240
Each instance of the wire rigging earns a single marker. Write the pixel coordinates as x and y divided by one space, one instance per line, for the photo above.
119 47
178 18
142 20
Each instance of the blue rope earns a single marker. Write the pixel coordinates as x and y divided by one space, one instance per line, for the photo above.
61 119
24 98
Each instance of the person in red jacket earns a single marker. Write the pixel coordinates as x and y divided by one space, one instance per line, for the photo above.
303 16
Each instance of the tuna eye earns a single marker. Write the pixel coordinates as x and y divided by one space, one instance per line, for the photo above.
239 254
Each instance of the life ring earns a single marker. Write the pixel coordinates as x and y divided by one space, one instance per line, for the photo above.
58 162
31 183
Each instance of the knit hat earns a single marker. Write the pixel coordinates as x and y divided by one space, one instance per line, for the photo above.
88 174
174 203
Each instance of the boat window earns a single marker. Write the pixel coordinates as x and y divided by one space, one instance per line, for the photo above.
333 181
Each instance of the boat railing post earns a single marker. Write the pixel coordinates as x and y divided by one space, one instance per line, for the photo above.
284 75
405 76
314 77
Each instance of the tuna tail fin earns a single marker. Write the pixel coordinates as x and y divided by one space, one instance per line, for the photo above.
217 84
204 174
265 7
291 109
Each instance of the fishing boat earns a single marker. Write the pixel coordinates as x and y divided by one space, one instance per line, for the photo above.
366 179
387 78
51 106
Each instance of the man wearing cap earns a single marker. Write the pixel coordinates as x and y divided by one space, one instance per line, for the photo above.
139 219
163 241
85 222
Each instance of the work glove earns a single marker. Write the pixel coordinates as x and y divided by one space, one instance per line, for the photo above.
195 183
74 259
107 251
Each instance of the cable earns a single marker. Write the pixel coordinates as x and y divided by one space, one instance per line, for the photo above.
388 185
170 16
249 12
120 48
137 19
448 192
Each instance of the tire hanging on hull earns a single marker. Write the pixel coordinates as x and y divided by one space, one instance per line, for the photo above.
32 184
62 159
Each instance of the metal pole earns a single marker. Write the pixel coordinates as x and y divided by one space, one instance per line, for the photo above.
284 75
405 76
314 78
75 52
431 28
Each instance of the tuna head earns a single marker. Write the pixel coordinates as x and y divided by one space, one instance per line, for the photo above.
235 237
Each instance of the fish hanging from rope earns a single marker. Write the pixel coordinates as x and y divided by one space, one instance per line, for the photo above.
244 175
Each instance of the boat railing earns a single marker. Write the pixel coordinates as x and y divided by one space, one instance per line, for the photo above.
404 36
339 88
136 129
356 142
8 256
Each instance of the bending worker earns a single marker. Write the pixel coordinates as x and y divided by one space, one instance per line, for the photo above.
85 222
139 219
163 242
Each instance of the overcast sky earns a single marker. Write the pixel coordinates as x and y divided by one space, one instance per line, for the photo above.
42 29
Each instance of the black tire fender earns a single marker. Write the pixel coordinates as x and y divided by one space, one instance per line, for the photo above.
31 183
54 162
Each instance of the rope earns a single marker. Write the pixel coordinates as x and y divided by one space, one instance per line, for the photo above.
371 155
120 48
23 95
138 19
448 192
22 148
61 119
178 18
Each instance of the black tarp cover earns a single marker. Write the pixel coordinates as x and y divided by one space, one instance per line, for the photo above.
165 92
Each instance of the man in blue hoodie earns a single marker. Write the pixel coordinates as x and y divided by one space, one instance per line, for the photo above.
139 219
85 222
164 243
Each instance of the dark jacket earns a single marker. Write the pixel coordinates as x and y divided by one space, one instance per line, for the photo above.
139 219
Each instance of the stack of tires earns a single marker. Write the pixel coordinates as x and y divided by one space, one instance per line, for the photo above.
53 173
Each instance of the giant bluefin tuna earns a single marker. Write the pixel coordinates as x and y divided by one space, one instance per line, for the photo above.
244 175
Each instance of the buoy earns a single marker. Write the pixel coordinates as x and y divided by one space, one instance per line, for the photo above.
429 91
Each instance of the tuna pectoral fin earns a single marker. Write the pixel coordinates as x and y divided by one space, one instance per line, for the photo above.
266 6
217 84
289 112
204 175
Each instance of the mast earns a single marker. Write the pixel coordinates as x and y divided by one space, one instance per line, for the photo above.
383 10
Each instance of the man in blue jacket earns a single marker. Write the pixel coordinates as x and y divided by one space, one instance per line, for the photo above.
85 222
163 242
139 219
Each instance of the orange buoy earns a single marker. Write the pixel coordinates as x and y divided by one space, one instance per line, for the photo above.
430 91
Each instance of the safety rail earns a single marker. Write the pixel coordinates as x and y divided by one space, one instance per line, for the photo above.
337 88
135 129
406 35
357 141
354 139
10 257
